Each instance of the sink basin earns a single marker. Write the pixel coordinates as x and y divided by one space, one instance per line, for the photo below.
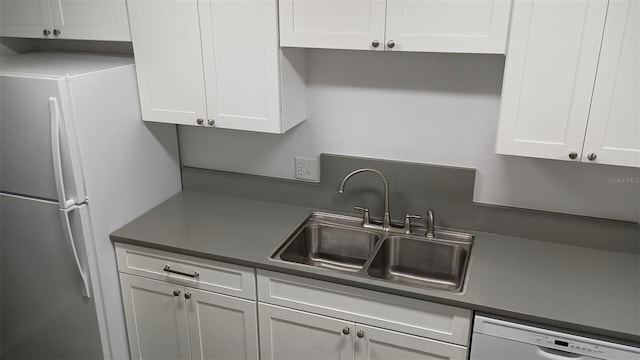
329 246
340 243
420 262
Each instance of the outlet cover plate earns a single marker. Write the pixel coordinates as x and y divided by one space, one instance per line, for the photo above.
307 169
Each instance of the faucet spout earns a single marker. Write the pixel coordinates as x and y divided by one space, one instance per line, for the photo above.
386 219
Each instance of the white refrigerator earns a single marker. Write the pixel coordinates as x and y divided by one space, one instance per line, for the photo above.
76 163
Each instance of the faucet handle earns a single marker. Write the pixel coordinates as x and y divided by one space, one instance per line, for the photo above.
407 222
365 216
430 224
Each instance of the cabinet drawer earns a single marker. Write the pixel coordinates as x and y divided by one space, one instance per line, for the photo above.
412 316
212 275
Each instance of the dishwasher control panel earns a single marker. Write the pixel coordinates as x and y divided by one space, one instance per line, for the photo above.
581 347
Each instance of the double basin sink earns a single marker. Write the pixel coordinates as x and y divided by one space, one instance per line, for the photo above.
340 243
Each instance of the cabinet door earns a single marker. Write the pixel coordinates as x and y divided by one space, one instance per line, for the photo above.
613 133
27 19
240 52
550 69
379 344
168 53
296 335
467 26
332 24
91 20
221 327
156 318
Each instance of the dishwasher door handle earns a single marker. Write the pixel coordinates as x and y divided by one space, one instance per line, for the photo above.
553 354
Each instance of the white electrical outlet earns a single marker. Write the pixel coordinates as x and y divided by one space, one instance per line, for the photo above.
307 169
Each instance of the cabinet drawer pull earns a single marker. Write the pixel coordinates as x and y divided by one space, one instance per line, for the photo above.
176 292
346 331
167 268
360 333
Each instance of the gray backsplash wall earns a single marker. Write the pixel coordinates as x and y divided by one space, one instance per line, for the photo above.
424 108
415 188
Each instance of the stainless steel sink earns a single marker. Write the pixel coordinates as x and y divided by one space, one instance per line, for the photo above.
330 247
420 262
329 241
340 243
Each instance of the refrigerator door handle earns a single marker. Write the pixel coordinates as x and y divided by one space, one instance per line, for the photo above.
56 151
68 234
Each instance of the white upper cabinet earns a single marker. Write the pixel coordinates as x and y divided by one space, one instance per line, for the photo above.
241 69
549 74
613 133
217 65
65 19
570 93
168 60
31 19
466 26
333 24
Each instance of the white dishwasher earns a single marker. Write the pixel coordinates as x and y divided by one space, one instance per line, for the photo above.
495 339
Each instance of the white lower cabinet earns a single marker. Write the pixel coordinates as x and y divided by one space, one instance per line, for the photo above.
156 319
298 335
168 321
184 307
221 327
292 334
310 319
382 344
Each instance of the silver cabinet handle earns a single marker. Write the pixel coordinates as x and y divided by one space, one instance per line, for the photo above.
573 155
46 32
360 333
346 331
199 121
168 269
391 44
187 295
176 292
375 43
592 156
56 32
211 122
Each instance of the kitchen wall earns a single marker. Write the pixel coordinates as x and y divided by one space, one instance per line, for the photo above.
425 108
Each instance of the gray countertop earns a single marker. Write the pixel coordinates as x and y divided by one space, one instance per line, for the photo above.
573 288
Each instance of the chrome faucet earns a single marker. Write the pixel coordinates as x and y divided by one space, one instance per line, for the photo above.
386 219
